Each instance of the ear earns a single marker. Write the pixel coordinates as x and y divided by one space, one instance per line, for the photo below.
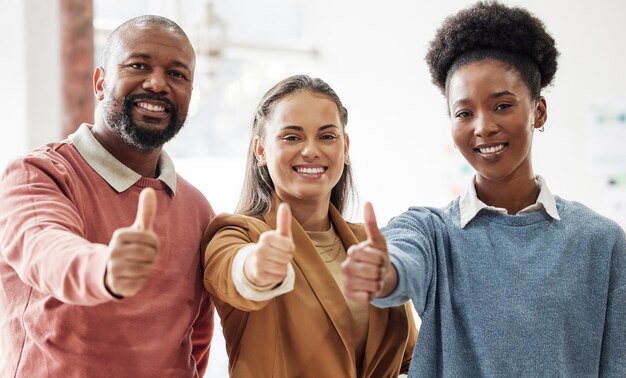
258 149
98 83
541 113
346 145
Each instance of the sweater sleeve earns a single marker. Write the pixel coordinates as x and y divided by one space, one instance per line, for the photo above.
202 334
225 237
613 356
411 246
42 234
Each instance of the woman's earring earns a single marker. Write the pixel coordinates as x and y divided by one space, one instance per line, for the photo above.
347 160
541 129
260 163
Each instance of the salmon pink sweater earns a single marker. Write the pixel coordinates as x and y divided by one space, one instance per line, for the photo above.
59 207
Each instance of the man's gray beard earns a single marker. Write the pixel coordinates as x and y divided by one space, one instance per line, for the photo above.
134 135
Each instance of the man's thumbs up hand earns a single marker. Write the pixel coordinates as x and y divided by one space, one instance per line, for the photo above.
132 250
267 265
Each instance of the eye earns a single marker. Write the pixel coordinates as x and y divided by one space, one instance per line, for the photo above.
138 66
462 114
177 74
290 137
329 136
502 106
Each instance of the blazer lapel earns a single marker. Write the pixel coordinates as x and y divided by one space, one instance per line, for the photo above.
314 271
375 333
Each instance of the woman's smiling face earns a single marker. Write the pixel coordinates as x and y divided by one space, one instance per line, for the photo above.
493 118
304 147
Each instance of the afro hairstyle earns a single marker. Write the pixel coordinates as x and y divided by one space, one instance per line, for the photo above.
492 30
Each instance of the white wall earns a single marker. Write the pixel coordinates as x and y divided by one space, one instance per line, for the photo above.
374 56
13 74
401 149
30 76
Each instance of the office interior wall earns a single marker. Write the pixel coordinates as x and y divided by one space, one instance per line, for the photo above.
13 76
401 144
30 76
372 54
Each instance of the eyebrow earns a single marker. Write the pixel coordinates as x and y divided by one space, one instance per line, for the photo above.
300 128
503 93
145 56
494 95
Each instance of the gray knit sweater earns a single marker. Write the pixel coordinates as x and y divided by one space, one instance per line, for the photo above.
510 296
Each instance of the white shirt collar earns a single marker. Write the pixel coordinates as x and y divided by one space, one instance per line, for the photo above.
113 171
470 205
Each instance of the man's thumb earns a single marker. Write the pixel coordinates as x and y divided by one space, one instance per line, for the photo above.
146 210
283 220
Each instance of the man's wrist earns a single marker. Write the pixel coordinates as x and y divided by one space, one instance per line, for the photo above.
106 286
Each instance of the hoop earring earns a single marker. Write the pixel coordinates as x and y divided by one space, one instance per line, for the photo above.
541 129
260 163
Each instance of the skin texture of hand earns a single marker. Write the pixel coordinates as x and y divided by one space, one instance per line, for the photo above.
267 265
367 271
133 249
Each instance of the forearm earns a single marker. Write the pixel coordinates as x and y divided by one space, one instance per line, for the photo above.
61 265
42 242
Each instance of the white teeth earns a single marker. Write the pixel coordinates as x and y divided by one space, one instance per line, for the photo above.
491 150
152 108
310 171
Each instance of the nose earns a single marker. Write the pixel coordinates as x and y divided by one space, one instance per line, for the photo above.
156 82
311 149
485 126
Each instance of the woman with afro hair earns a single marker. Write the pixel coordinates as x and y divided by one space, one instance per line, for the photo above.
508 279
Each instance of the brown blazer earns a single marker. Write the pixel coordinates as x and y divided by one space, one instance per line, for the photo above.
306 332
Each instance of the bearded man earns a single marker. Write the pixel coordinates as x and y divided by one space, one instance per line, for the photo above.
100 272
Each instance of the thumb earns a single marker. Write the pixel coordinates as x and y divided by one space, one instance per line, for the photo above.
146 210
374 236
283 220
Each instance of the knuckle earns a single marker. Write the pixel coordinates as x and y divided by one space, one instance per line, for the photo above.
259 251
114 267
266 237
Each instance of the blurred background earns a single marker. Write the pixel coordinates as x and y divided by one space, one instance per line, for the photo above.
371 54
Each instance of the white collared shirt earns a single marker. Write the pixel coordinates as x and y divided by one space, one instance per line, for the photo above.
470 205
113 171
